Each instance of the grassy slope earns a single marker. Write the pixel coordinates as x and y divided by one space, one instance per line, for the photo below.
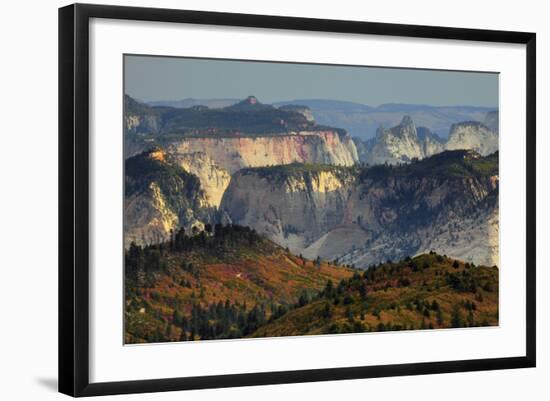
399 296
243 274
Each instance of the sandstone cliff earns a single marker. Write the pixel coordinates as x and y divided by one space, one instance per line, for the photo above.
431 143
448 203
214 143
292 205
472 135
454 215
232 154
396 145
404 142
213 178
160 197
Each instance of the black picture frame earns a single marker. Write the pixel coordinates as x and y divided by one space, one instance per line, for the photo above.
74 200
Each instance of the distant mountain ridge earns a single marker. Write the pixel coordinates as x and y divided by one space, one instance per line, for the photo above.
247 117
190 102
363 120
147 125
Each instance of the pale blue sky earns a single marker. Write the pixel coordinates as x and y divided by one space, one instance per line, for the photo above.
169 78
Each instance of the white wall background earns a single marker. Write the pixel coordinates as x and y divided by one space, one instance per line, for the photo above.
28 200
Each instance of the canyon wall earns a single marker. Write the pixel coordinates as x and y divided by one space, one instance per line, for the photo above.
364 216
232 154
291 205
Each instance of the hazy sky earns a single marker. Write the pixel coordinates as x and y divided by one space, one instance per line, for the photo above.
170 78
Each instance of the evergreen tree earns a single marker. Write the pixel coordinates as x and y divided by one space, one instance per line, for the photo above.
176 318
471 321
327 311
457 319
439 317
363 290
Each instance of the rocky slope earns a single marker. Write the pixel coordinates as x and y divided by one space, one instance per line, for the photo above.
448 203
455 215
160 197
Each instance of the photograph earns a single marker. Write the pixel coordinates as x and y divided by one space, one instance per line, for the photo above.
275 200
270 199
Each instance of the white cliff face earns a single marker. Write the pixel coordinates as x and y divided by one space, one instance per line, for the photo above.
402 143
293 209
396 145
214 179
363 221
431 145
474 136
461 221
160 197
474 239
147 217
232 154
471 239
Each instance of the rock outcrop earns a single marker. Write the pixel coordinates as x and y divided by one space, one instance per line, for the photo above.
214 179
405 142
431 143
160 196
396 145
472 135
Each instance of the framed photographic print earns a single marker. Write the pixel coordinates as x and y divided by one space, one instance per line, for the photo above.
249 199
